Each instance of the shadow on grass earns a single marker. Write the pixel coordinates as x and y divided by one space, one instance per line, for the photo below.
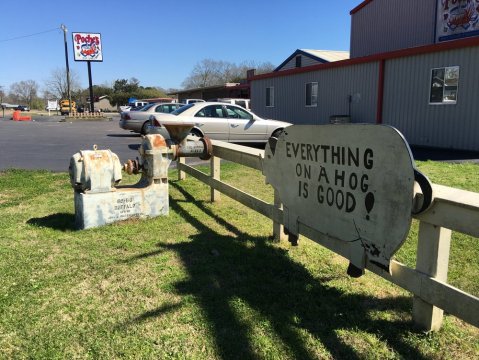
150 314
229 273
60 221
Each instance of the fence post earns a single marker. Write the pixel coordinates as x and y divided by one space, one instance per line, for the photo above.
278 233
215 173
181 174
433 260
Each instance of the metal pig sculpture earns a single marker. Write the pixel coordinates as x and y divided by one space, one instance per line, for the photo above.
352 183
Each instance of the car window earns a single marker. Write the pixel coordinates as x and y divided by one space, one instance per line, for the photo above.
211 111
181 109
144 108
238 113
161 109
241 103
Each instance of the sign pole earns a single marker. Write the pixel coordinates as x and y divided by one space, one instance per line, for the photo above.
92 100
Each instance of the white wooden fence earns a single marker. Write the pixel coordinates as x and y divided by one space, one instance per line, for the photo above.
452 210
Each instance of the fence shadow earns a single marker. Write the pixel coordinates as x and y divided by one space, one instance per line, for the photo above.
226 271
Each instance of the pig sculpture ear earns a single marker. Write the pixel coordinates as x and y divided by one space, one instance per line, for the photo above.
272 141
426 189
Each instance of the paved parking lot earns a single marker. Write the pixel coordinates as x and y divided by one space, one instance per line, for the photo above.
48 144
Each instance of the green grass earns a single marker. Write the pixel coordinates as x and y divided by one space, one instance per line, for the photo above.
203 283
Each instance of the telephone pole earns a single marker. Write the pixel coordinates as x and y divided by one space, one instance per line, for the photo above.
64 28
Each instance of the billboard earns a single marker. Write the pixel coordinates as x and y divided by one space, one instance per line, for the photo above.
457 19
87 46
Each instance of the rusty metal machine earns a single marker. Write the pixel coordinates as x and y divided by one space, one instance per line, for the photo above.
95 176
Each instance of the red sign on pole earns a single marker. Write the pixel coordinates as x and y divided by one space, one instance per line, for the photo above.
87 47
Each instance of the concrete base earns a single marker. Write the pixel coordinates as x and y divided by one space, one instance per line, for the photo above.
97 209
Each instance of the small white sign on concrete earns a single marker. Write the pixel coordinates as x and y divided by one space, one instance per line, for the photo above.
353 183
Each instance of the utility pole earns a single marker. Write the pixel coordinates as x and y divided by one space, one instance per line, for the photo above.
64 28
1 101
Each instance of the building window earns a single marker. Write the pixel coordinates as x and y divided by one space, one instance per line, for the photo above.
270 96
298 61
312 94
444 85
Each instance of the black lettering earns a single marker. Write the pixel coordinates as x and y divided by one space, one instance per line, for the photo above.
303 157
339 176
330 197
325 153
339 199
335 155
368 159
353 158
320 195
309 149
299 170
316 150
350 202
295 149
288 149
303 171
307 171
364 184
353 181
303 190
322 172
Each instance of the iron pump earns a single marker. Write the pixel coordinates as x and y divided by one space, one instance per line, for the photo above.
95 176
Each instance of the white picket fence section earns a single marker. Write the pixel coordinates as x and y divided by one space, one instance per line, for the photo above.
452 210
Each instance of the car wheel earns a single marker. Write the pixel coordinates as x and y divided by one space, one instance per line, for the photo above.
277 133
144 128
196 132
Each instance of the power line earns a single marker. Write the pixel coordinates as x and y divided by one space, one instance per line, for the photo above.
25 36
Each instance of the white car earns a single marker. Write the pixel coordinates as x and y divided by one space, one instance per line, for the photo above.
138 120
220 121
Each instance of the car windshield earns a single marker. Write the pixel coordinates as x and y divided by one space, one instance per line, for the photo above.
146 107
181 109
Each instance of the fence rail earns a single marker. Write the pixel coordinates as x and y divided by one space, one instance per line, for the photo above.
452 210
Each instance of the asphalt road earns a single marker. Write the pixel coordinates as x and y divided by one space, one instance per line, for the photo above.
49 144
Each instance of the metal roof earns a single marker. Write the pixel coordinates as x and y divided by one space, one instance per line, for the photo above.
328 55
321 56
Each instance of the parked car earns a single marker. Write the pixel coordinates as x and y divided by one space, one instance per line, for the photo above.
138 120
192 101
241 102
220 121
22 108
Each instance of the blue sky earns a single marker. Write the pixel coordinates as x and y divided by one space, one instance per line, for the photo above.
159 42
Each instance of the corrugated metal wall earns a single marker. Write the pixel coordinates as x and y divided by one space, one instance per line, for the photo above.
387 25
406 100
305 61
334 88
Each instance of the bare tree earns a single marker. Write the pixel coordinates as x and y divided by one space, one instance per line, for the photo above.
57 83
209 72
24 91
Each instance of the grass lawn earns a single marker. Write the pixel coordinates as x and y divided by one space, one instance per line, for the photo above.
203 283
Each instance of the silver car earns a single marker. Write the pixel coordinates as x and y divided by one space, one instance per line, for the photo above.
220 121
138 120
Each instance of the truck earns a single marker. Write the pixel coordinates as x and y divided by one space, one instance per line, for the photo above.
65 106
